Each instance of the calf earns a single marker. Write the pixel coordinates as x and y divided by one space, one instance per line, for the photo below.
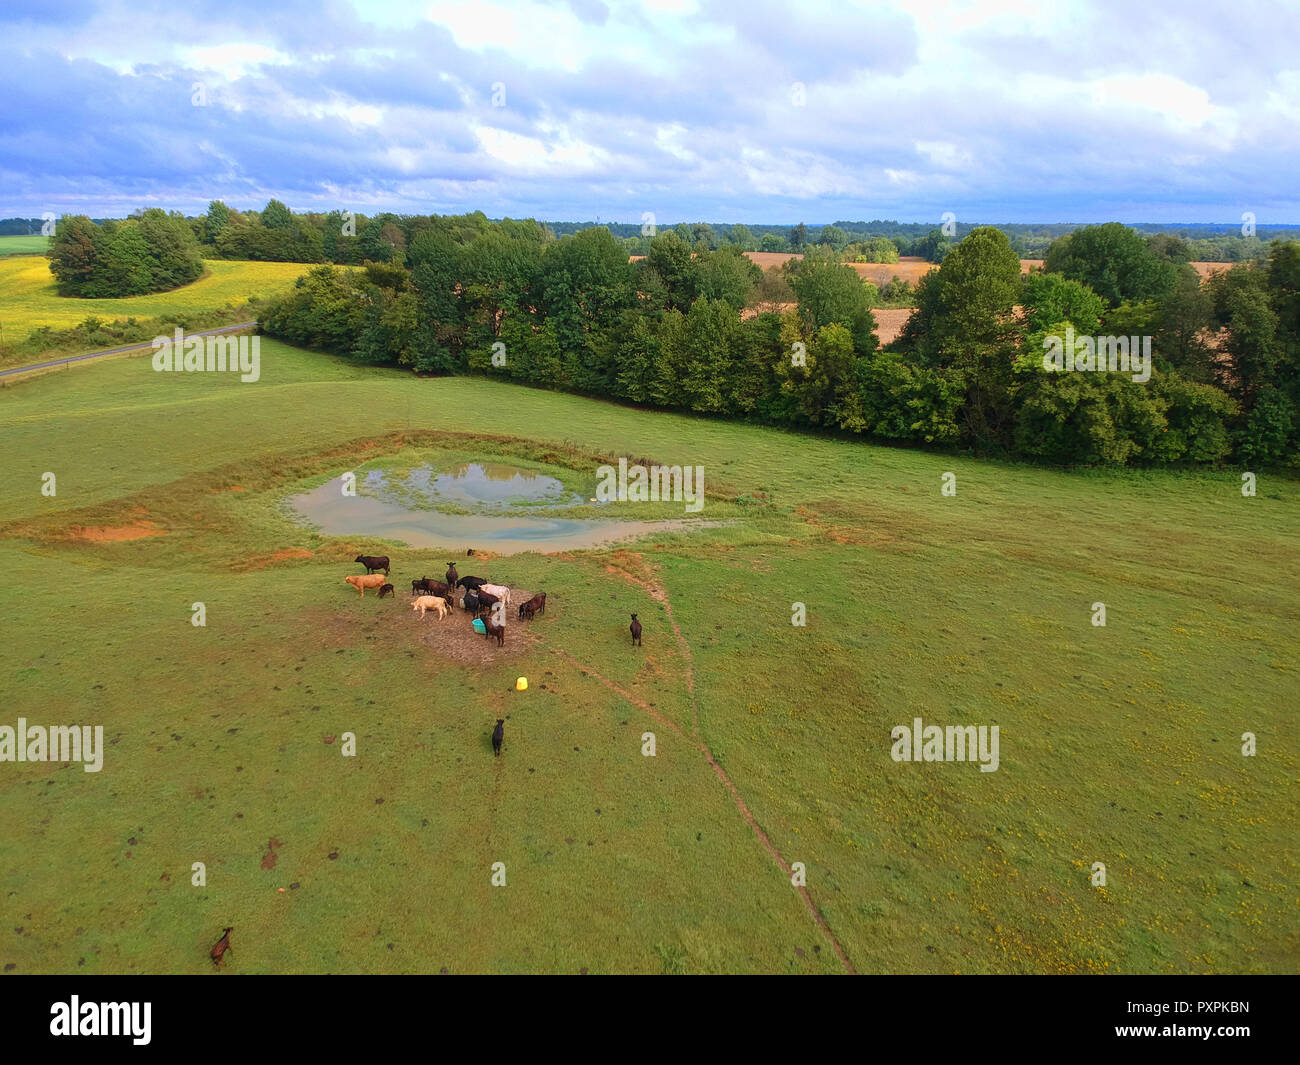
498 631
370 580
386 589
422 587
373 562
636 631
536 605
471 603
498 734
223 944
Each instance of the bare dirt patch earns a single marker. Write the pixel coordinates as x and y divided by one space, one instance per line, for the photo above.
390 623
112 533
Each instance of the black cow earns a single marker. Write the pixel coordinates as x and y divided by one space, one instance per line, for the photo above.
472 584
387 589
373 562
452 576
498 734
636 631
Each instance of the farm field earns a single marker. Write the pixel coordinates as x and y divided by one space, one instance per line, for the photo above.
34 244
29 298
1119 744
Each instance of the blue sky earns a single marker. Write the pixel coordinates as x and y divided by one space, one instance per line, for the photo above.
725 110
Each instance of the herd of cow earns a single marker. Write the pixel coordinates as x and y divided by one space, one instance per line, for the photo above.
475 595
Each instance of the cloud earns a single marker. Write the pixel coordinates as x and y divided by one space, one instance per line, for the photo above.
1000 110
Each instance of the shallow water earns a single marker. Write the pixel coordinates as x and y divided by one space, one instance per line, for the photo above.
490 485
369 515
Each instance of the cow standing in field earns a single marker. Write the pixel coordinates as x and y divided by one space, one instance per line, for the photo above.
452 576
373 562
498 735
386 589
536 605
636 631
431 602
220 947
370 580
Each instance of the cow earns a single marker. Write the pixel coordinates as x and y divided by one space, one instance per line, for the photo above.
471 603
470 584
422 587
452 576
536 605
499 590
498 734
431 602
370 580
499 631
373 562
636 631
221 946
384 590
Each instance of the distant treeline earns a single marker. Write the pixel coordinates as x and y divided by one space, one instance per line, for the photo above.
511 299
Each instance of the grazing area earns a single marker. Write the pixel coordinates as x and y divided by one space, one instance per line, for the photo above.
227 743
33 244
30 298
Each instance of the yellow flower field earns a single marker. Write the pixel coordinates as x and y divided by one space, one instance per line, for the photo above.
28 299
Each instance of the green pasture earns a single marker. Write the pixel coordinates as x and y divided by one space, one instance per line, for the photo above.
1119 744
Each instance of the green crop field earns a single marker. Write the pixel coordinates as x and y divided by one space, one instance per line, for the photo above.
1119 745
29 299
34 244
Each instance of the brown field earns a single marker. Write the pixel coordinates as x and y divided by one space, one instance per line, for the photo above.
910 267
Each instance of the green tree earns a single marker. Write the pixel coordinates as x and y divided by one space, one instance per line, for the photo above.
830 293
276 215
1114 261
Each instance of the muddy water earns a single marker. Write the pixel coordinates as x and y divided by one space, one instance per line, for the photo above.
493 488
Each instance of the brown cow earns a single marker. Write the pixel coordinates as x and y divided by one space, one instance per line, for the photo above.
536 605
220 947
370 580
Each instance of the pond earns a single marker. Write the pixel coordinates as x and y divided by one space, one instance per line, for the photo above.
501 496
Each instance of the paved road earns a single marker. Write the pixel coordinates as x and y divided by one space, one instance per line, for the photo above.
119 351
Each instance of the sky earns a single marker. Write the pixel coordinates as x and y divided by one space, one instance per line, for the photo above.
768 111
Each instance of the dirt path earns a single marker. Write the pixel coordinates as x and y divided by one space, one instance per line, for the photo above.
660 594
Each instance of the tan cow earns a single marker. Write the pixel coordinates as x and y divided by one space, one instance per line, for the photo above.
370 580
431 602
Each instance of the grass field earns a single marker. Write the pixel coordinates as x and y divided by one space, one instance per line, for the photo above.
29 300
25 245
1119 745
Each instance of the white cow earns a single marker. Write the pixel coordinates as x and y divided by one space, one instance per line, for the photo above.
499 590
431 602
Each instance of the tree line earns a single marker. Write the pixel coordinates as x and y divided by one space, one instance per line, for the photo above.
510 299
151 251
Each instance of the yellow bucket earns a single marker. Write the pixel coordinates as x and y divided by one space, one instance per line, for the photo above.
521 684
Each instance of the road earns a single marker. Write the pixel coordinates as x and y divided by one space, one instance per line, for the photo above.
117 351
